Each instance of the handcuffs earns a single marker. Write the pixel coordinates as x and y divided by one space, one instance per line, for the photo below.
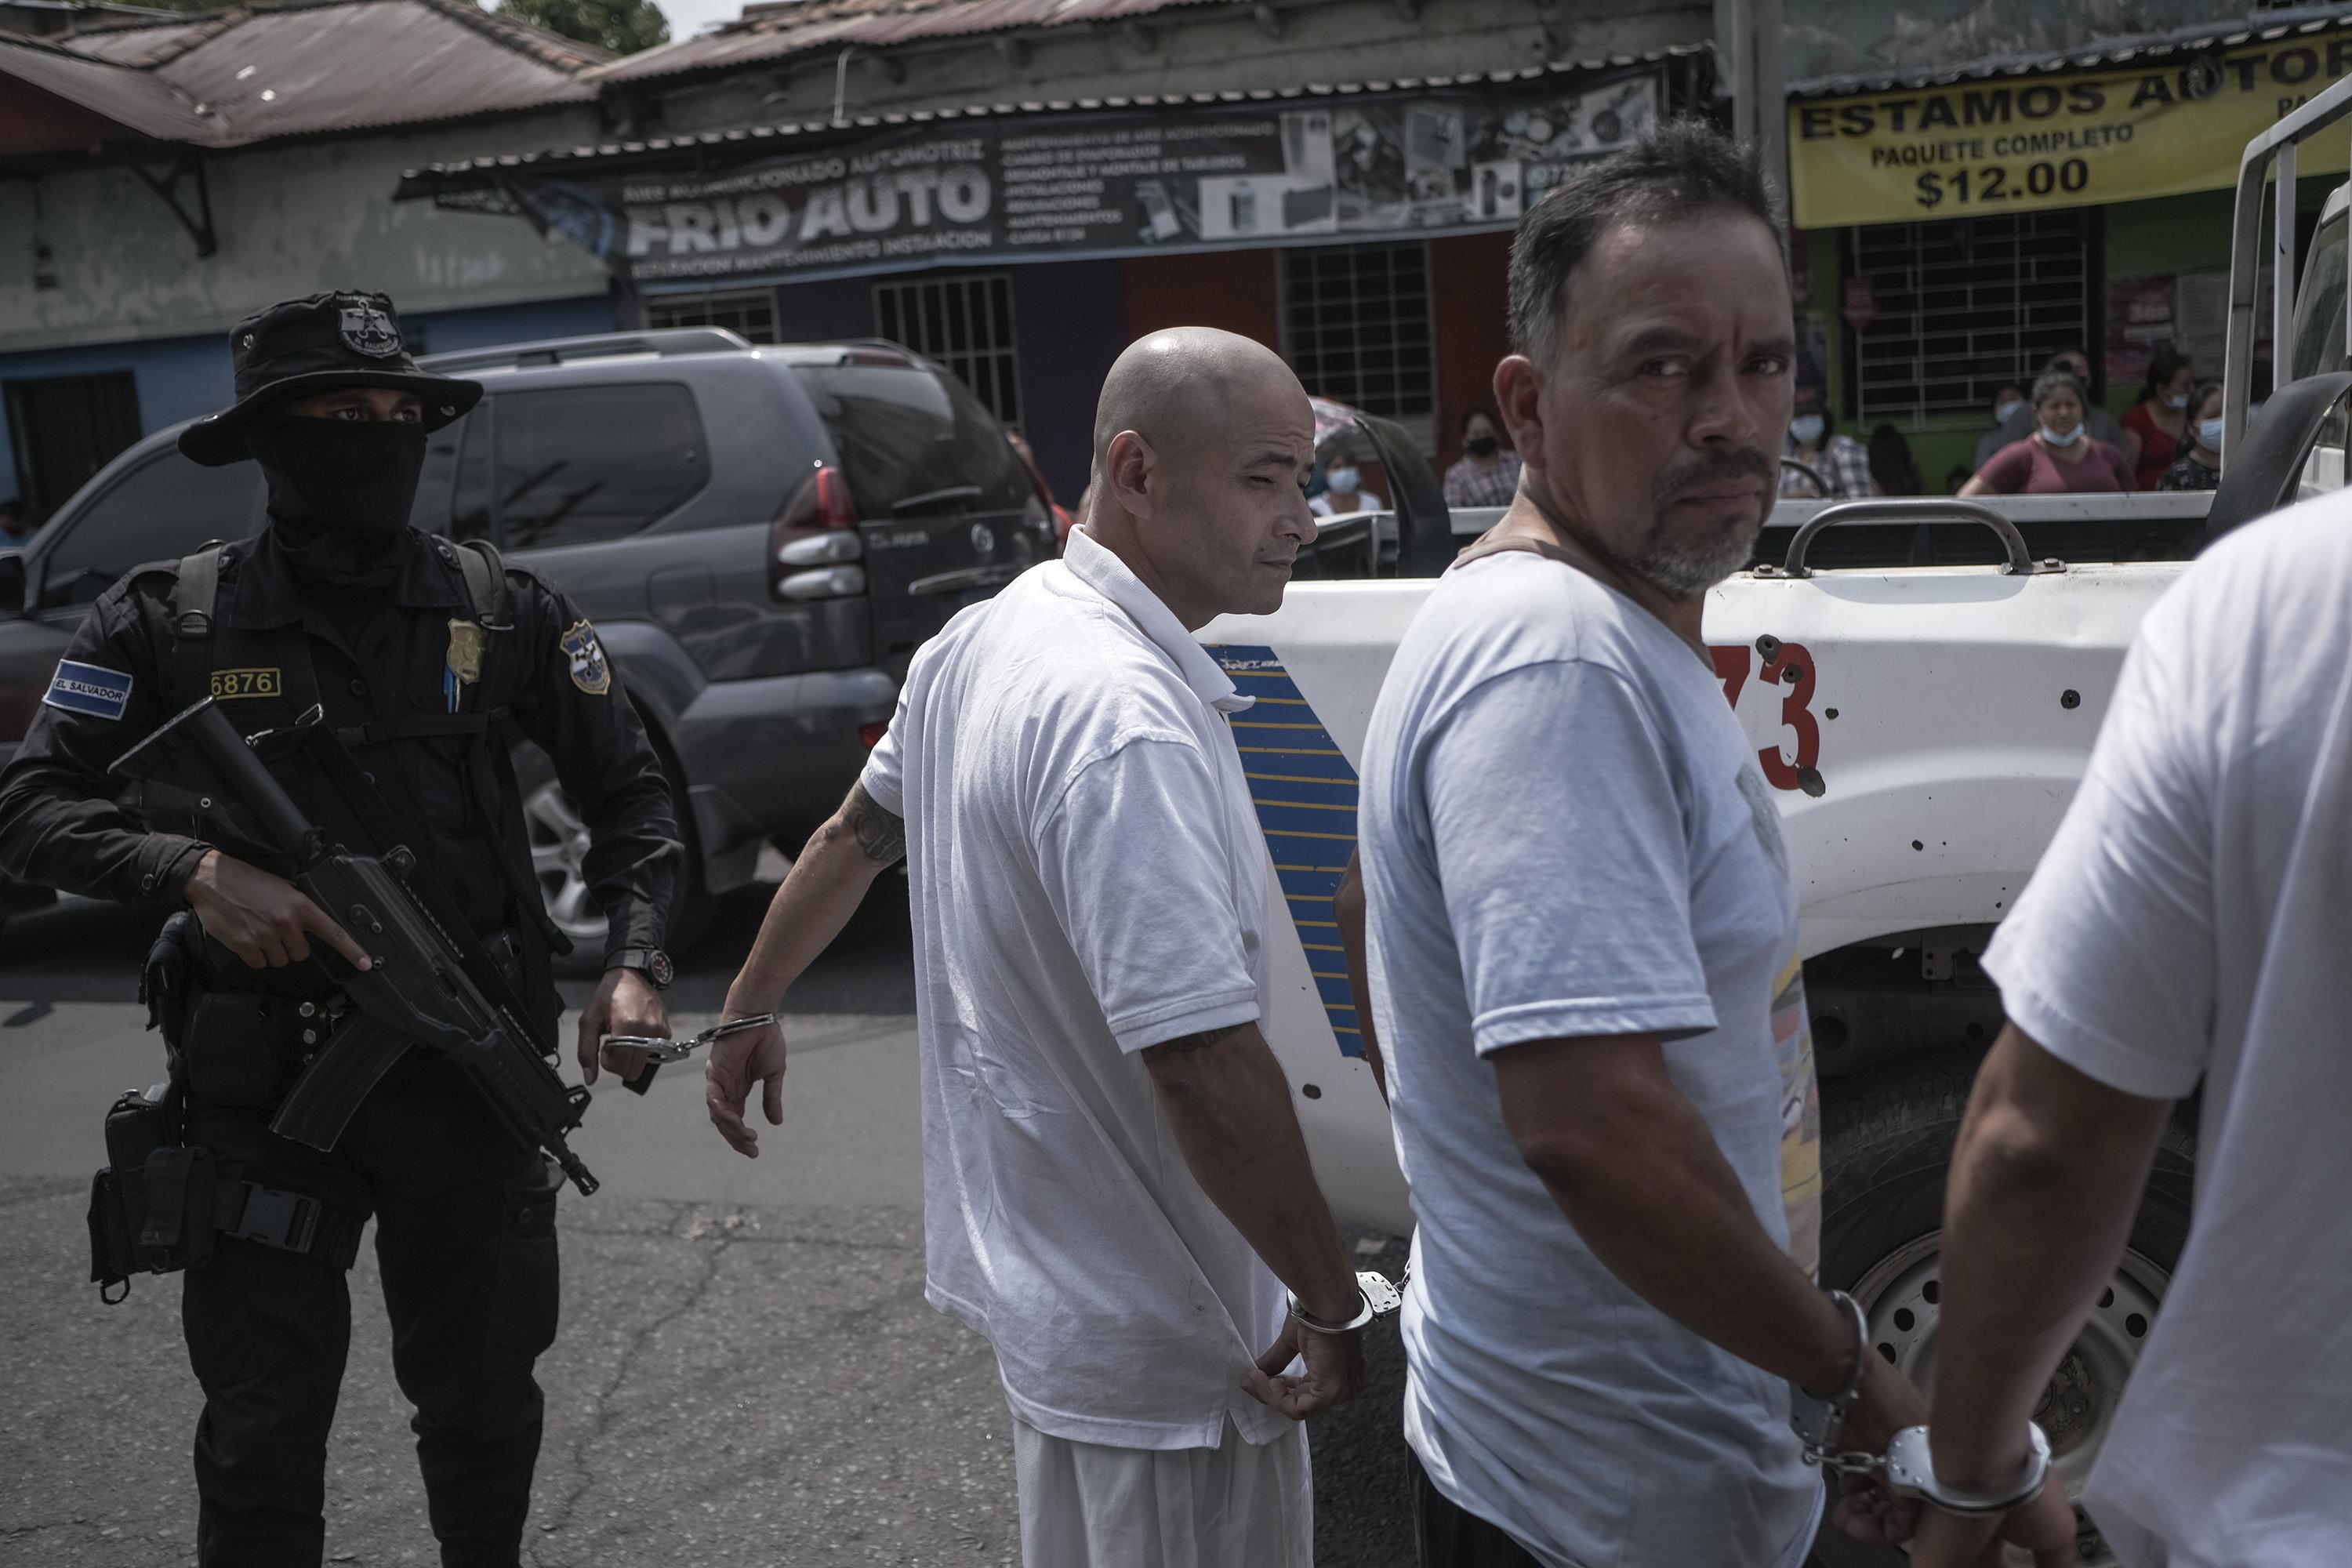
1905 1468
1375 1298
659 1049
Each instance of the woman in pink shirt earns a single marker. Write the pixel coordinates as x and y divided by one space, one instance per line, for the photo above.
2059 457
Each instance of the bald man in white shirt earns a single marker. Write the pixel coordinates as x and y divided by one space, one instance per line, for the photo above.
1117 1191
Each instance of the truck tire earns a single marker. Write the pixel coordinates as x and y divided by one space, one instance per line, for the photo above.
1886 1146
559 849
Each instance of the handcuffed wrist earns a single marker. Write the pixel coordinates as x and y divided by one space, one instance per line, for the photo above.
1360 1316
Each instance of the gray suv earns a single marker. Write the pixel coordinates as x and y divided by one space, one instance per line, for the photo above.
763 536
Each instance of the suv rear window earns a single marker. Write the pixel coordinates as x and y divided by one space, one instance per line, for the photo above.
905 432
584 463
162 509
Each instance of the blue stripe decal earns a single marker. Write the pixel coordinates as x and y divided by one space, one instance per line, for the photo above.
1306 798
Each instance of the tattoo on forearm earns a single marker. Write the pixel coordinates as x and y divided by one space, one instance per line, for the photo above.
1206 1037
880 834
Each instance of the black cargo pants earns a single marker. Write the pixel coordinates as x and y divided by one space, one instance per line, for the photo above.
465 1239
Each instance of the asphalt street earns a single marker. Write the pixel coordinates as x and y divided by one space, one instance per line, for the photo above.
747 1373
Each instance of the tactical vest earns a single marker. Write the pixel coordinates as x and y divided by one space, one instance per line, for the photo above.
228 662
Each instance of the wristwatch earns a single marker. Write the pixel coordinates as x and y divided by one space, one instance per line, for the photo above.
650 962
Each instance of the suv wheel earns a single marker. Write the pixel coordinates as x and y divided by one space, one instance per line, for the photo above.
558 855
1886 1147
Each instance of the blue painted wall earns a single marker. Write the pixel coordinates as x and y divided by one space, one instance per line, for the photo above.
180 378
176 378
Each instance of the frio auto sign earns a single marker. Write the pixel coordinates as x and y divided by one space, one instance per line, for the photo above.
1097 184
900 201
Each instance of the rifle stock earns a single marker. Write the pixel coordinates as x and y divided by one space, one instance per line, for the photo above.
417 990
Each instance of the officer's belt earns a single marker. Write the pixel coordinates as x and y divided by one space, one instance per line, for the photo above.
290 1222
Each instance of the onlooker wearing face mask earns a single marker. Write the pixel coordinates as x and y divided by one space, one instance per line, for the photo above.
2199 466
1488 473
1843 462
2155 426
2101 424
1343 491
2009 400
2060 458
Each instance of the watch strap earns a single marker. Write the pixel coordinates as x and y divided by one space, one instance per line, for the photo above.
650 962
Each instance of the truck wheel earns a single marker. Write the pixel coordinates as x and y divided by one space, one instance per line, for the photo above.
559 855
1887 1144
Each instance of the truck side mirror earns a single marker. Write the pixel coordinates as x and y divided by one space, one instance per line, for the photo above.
12 583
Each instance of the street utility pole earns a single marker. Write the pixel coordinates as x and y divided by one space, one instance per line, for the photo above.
1760 96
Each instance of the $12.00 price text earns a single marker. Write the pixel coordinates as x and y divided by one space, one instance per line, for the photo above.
2001 183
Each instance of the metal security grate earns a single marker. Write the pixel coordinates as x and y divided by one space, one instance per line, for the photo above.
1356 327
965 323
1962 307
751 315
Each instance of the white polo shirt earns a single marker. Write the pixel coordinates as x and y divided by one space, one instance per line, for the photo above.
1087 880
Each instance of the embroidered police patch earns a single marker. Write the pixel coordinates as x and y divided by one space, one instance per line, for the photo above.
88 688
228 684
369 331
590 673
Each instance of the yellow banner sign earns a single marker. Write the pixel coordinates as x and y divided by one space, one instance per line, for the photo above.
2017 143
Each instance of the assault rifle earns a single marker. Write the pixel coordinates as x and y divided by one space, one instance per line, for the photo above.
417 992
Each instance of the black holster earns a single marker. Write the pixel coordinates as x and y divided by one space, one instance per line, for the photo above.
160 1204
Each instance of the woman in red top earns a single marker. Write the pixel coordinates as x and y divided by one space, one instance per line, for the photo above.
2153 429
2059 457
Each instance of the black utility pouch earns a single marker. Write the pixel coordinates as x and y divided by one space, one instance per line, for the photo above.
140 1125
178 1232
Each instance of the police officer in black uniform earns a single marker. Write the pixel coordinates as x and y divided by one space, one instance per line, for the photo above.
430 661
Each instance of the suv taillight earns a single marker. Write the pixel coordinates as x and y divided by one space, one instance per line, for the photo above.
814 545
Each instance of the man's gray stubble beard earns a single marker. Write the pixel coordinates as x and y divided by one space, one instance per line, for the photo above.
1687 574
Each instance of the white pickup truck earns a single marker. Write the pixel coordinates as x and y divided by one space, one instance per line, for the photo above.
1924 727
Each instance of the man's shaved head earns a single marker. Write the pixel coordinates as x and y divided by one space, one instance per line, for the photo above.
1175 388
1204 444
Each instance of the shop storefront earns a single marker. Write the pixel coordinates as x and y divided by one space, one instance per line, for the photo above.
1952 237
1362 233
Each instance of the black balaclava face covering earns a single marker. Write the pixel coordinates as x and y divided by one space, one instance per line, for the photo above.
340 493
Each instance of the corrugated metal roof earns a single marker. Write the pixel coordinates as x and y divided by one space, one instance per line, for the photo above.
769 141
813 24
146 104
143 46
2110 53
242 76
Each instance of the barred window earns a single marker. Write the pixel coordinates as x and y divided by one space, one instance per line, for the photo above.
963 321
1356 327
749 314
1962 307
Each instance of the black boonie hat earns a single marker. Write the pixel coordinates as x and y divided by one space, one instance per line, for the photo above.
303 346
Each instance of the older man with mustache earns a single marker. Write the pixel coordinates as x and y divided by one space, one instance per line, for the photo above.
1584 934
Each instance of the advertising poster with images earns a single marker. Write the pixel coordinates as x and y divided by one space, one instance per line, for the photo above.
1103 184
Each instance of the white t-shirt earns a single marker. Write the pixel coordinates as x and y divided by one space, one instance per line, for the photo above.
2194 917
1565 834
1088 879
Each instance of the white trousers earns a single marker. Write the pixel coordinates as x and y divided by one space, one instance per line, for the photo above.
1237 1505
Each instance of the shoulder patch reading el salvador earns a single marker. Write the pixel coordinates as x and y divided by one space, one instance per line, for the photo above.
88 688
590 673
